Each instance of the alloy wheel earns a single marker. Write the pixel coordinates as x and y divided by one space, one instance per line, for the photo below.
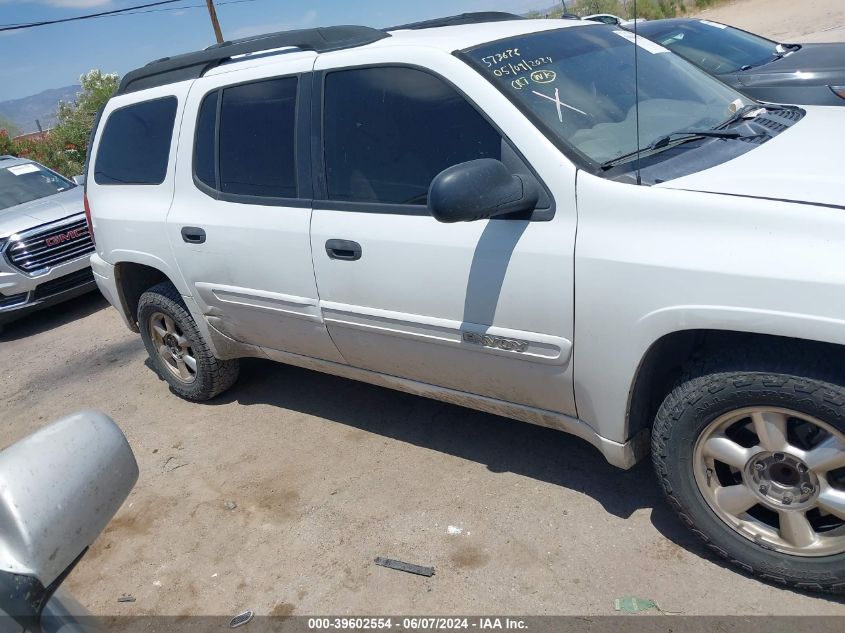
777 477
173 347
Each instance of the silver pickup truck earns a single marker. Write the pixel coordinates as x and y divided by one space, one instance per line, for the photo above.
44 240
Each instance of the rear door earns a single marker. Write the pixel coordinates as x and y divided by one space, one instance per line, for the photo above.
241 212
482 307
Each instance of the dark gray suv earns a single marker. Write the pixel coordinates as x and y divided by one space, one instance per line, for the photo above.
805 74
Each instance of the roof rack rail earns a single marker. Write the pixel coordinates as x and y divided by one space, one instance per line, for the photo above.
193 65
454 20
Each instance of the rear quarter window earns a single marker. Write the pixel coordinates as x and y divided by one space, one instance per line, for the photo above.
135 145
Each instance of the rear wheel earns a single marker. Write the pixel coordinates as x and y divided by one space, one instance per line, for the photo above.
176 348
754 464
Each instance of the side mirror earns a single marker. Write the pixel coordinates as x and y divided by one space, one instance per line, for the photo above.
59 488
79 180
479 189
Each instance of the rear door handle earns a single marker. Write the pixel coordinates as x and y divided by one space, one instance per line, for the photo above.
193 235
347 250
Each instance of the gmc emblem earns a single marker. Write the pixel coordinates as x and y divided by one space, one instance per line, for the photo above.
55 240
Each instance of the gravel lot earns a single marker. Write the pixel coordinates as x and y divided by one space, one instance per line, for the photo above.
785 20
327 474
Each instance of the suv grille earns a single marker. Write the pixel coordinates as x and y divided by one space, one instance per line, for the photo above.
50 247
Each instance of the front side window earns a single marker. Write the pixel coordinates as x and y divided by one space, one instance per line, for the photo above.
135 145
251 150
388 131
26 182
579 84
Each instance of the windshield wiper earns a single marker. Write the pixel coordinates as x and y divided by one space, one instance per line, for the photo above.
739 114
668 141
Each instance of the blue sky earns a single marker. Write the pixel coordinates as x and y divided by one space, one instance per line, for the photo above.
54 56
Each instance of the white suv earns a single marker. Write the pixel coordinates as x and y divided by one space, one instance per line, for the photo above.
458 209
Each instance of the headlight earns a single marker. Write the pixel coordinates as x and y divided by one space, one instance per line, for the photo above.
839 91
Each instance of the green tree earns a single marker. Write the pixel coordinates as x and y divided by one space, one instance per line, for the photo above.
69 138
650 10
590 7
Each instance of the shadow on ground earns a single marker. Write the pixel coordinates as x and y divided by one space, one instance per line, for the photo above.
501 444
52 317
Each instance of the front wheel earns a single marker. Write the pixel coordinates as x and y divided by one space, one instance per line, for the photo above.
176 348
754 464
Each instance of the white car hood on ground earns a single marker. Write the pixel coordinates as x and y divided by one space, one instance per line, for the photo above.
802 164
41 211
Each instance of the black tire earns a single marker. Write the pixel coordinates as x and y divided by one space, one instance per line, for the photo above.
212 376
708 392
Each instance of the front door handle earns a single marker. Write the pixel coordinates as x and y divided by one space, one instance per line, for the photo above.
347 250
193 235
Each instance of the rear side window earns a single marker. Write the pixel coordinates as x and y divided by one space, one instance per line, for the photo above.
204 149
254 140
389 131
135 144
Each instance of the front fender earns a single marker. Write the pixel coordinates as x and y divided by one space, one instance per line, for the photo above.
651 261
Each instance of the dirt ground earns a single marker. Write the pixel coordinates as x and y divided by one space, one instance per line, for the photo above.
324 474
328 473
785 20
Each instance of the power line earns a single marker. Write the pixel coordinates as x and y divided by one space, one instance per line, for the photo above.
190 6
134 11
30 25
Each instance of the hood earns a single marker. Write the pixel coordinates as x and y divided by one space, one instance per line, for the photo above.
41 211
812 64
801 164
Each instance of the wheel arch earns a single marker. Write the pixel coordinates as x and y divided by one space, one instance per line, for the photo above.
132 279
670 357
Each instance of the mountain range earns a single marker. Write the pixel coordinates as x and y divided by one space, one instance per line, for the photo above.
24 112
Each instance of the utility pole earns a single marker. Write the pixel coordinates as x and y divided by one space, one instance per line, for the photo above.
212 12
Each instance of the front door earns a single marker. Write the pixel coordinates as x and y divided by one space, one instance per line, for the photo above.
240 217
481 307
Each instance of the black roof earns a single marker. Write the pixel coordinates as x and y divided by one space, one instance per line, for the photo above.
330 38
192 65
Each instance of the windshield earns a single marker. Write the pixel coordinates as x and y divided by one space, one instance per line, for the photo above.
716 48
578 85
29 181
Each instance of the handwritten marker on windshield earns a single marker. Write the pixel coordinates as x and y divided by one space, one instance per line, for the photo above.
558 103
